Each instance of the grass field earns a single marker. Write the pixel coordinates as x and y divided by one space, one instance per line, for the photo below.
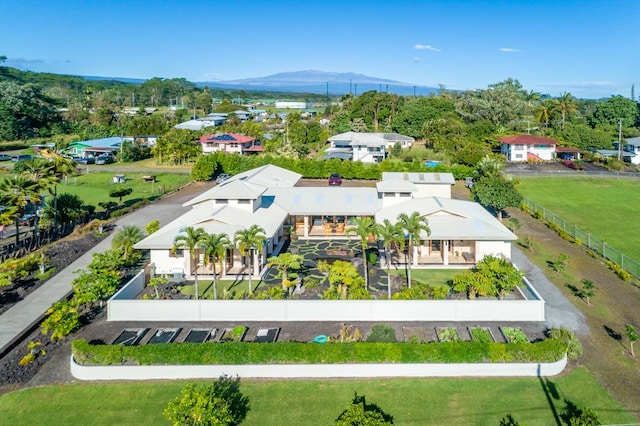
433 277
94 187
606 208
303 402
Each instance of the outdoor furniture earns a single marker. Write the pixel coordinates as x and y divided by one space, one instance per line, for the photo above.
340 228
149 178
328 228
467 256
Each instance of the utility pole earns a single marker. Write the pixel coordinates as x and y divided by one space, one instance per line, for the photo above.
356 89
619 140
414 91
349 87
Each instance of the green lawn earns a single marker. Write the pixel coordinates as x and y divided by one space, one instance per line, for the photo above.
606 208
433 277
304 402
94 188
205 287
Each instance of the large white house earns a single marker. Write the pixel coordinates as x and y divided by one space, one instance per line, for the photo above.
365 147
462 232
528 148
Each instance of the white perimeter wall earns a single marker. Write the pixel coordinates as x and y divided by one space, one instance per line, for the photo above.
325 310
156 372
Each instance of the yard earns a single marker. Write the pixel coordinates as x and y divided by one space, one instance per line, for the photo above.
307 402
602 207
93 188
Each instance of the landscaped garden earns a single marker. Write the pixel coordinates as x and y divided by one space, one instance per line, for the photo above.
318 402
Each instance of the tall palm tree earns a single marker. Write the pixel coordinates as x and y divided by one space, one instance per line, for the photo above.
42 173
391 236
543 111
18 191
364 228
125 239
214 246
62 167
191 239
413 224
566 104
248 240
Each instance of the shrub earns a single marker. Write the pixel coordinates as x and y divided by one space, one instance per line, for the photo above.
382 333
547 350
568 339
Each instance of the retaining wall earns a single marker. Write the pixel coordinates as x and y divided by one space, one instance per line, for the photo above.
325 371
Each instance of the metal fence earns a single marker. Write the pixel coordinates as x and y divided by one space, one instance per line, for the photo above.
572 173
587 239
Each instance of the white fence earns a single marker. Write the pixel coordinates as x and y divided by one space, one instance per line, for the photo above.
326 310
171 372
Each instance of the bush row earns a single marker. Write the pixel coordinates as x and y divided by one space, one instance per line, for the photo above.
208 165
547 350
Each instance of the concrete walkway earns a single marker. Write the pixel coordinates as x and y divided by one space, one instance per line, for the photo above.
559 312
27 313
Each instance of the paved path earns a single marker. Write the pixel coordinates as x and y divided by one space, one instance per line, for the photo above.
559 312
28 312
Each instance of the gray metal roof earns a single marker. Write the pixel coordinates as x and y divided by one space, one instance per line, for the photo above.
395 185
451 219
419 177
235 190
326 200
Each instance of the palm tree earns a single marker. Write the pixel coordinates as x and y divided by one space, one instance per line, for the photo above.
214 246
62 168
191 240
42 173
543 111
566 104
284 262
413 225
18 191
248 240
125 239
364 228
391 236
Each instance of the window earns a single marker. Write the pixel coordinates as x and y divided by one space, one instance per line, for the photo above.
518 147
405 194
222 202
244 201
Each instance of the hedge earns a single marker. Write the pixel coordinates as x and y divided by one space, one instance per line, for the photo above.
239 353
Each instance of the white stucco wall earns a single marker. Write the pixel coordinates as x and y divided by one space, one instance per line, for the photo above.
493 248
166 264
172 372
426 190
325 310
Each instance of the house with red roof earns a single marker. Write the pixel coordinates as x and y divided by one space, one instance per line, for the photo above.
528 148
230 143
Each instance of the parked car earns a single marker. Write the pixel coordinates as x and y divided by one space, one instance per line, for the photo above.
5 157
572 165
222 177
21 157
335 180
104 159
84 160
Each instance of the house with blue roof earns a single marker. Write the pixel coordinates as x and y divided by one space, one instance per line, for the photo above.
94 147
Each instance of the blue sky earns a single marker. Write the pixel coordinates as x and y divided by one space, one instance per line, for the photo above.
588 48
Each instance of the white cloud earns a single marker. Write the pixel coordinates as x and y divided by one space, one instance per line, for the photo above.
509 50
426 47
416 59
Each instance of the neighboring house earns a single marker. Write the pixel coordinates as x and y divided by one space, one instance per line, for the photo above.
147 140
201 123
462 232
631 150
94 147
365 147
229 142
567 153
527 148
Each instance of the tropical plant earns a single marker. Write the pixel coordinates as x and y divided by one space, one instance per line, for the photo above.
18 192
497 193
284 262
413 225
364 227
152 227
391 236
247 240
191 239
119 193
574 347
125 239
345 282
560 264
215 246
566 104
218 403
361 413
504 276
587 291
157 281
474 284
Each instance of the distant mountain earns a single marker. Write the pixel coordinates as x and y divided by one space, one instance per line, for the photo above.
120 79
312 81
